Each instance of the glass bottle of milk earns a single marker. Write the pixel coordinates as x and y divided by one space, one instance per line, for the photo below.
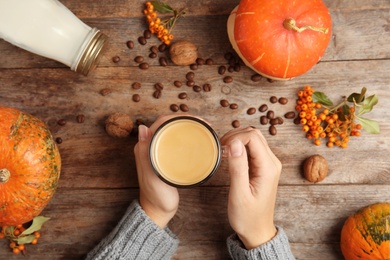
49 29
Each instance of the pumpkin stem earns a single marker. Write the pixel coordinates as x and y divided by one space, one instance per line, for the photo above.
290 24
4 175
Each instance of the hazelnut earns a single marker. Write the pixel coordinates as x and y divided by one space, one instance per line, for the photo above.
315 168
119 125
183 53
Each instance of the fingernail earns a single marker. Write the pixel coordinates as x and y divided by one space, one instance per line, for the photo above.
142 133
236 148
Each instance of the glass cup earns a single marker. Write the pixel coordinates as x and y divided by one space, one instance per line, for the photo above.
185 151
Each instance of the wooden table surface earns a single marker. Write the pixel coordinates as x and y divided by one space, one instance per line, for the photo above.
98 178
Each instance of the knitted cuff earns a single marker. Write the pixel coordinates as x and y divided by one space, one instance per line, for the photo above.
136 237
275 249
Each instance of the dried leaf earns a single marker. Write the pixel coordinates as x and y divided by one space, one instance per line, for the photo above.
371 126
368 104
25 239
162 7
320 97
36 225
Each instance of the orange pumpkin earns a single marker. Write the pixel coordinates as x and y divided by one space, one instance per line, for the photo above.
366 234
30 166
280 39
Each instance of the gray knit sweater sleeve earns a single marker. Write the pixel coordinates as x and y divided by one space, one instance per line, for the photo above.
276 249
136 237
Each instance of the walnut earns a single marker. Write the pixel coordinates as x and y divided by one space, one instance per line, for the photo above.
119 125
183 53
315 168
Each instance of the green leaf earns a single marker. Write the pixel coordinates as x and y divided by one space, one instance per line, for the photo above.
354 96
25 240
36 225
344 112
320 97
371 126
368 104
162 7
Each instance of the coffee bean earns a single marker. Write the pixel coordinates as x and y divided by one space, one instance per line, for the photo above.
190 75
184 108
130 44
232 61
177 83
236 124
105 91
280 120
142 40
270 114
289 115
190 83
80 118
237 67
136 85
233 106
197 88
270 80
273 99
144 66
206 87
159 86
174 108
152 55
136 98
154 49
162 47
228 56
228 79
139 59
59 140
224 103
230 68
297 121
283 100
263 120
183 95
210 62
263 108
274 121
163 61
251 111
200 61
147 34
221 70
157 94
116 59
61 122
272 130
256 77
194 66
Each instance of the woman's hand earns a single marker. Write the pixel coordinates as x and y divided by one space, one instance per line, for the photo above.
254 176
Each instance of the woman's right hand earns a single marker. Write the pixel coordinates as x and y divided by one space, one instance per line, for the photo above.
254 176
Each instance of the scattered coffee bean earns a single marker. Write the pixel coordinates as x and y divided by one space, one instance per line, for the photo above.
130 44
147 34
233 106
236 124
105 91
200 61
270 114
59 140
251 111
280 120
272 130
263 120
184 108
197 88
256 77
61 122
221 70
136 98
174 108
270 80
230 68
206 87
159 86
144 66
190 83
80 118
237 67
177 83
183 95
210 62
163 61
139 59
157 94
190 75
228 79
289 115
162 47
224 103
116 59
232 61
194 66
142 40
152 55
283 100
136 85
297 121
273 99
263 108
154 49
274 121
228 56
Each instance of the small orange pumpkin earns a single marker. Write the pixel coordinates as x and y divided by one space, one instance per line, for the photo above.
280 39
366 234
30 166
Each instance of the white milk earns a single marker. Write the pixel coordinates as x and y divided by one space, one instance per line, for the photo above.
45 27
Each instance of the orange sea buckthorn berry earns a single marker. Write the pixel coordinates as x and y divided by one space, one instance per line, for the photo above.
322 116
12 244
16 250
302 114
358 126
35 241
145 12
318 105
344 145
335 116
16 232
300 93
304 107
352 109
37 234
329 144
317 142
309 99
21 247
303 121
337 142
307 88
2 235
305 128
330 121
322 135
326 111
